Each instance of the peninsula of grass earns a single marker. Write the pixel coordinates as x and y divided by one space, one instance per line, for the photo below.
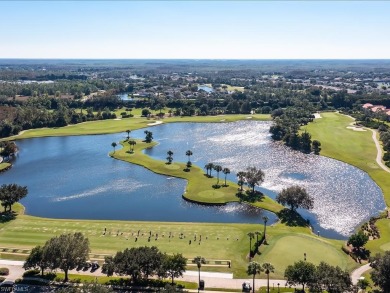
4 166
199 186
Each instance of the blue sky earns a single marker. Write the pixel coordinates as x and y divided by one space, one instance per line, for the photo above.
195 29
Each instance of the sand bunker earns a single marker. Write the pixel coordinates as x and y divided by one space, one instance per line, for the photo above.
317 115
155 123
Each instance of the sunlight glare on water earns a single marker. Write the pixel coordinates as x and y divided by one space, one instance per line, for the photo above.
344 195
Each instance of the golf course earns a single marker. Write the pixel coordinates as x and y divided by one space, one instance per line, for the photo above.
219 241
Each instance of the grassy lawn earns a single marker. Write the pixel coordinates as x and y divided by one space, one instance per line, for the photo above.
219 241
224 241
358 149
353 147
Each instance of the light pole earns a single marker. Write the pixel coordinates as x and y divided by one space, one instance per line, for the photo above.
278 287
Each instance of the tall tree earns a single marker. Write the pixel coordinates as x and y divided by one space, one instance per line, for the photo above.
226 171
148 136
132 143
253 177
316 147
251 235
218 169
265 219
381 271
169 158
300 273
11 194
175 265
358 240
241 179
331 279
268 268
128 134
67 251
253 269
114 145
295 197
189 154
306 142
36 259
209 167
199 261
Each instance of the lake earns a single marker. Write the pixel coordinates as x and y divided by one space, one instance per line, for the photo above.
73 177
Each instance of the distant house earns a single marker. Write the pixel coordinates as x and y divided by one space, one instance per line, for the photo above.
377 108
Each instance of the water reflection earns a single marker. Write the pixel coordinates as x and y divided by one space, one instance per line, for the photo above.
344 195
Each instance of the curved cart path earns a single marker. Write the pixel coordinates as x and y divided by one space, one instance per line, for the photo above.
379 151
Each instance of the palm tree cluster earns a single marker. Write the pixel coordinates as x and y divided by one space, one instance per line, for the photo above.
255 268
252 177
218 168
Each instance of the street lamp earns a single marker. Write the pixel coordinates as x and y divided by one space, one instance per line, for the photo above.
278 287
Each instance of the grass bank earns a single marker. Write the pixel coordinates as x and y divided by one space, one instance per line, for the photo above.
358 149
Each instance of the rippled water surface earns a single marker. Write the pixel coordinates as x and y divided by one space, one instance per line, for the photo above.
73 177
344 195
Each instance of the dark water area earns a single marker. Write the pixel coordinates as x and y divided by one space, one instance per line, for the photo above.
73 177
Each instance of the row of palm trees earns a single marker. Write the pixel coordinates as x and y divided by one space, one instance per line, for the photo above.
252 235
255 268
218 168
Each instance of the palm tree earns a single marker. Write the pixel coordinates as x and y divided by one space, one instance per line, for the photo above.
128 134
218 168
114 145
253 177
169 158
268 268
265 219
251 235
241 177
132 143
208 166
189 154
253 269
199 261
257 236
226 171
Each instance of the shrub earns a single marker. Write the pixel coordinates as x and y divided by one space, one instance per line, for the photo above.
4 271
2 279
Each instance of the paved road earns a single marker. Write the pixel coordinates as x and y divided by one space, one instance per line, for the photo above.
356 274
212 279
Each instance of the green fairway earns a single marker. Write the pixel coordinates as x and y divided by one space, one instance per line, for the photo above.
353 147
294 246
